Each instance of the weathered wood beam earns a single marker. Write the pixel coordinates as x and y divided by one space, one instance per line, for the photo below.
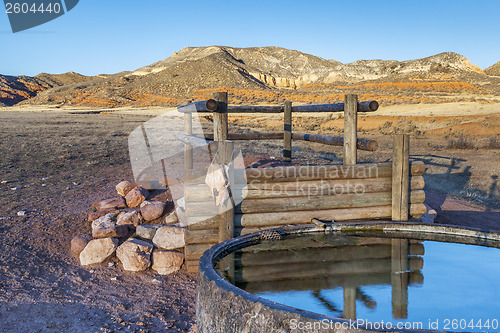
249 136
276 219
367 106
208 105
321 202
361 144
359 171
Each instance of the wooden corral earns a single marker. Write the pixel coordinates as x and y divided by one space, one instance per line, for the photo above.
280 196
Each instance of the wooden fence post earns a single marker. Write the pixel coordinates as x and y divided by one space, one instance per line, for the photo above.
220 117
188 151
400 177
287 132
350 128
224 153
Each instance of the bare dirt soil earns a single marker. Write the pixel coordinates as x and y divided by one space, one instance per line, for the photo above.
56 162
79 158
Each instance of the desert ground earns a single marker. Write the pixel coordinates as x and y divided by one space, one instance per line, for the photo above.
56 161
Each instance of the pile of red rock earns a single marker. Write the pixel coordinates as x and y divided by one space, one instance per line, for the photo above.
136 228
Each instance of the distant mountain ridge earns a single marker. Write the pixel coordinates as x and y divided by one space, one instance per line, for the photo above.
276 72
493 70
14 89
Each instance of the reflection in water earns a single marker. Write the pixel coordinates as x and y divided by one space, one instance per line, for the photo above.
373 279
316 264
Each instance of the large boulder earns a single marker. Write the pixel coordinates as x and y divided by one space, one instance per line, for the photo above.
110 203
78 243
132 217
167 262
169 238
98 250
95 215
153 210
147 231
135 255
105 227
136 196
123 188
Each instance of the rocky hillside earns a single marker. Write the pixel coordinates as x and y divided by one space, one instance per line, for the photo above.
271 75
493 70
14 89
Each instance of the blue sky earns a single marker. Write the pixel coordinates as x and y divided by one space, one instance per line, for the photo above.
109 36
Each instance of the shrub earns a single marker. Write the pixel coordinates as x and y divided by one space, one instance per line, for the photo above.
460 142
493 142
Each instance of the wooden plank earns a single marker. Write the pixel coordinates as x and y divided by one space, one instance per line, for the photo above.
192 266
201 192
350 129
195 251
321 202
251 222
203 222
226 222
400 177
287 130
361 144
208 236
318 172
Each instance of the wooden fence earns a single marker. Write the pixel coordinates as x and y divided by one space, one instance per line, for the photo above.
280 196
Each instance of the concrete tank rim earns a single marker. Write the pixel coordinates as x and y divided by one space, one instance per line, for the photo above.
206 264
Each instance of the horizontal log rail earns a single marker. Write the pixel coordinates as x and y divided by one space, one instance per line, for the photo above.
322 202
252 222
249 136
361 144
210 105
368 106
307 202
323 172
248 223
201 192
